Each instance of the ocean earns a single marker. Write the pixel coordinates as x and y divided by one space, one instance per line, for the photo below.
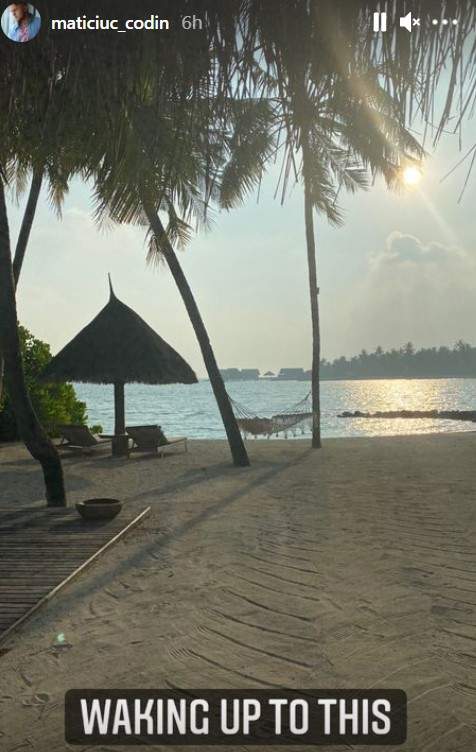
190 410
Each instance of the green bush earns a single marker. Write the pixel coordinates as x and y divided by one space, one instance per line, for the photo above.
54 403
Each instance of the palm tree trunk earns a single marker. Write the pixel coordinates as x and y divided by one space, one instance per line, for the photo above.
29 428
27 222
23 238
2 370
314 293
237 447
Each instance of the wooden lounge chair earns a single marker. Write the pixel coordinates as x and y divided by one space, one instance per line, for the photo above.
153 439
80 438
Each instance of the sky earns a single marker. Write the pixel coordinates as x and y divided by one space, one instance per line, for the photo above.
403 267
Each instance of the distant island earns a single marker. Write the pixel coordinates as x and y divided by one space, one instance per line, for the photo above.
458 361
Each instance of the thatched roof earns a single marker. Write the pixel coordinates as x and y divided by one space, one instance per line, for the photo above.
118 346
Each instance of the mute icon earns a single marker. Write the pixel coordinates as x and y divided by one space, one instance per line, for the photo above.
407 22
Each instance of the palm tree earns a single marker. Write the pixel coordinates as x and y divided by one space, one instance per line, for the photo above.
342 127
35 152
178 159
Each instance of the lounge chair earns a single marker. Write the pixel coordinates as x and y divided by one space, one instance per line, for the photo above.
80 438
153 439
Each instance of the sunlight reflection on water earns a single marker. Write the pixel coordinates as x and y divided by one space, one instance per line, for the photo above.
191 410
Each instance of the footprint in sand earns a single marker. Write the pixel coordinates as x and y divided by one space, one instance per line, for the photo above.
40 698
26 679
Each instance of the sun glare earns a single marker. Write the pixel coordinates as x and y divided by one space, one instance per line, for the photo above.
411 176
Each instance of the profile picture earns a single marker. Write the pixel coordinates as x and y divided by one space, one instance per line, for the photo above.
21 22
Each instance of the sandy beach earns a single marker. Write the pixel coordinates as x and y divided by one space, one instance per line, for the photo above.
351 567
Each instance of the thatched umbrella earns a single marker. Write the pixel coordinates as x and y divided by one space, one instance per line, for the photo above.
118 347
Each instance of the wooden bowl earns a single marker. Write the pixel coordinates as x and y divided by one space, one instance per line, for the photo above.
99 509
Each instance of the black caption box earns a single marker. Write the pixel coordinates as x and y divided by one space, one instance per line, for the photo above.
231 717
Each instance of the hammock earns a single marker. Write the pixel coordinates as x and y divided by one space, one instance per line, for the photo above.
299 416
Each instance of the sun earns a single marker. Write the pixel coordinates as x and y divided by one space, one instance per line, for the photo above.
411 176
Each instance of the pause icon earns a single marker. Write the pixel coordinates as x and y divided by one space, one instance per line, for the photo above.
380 22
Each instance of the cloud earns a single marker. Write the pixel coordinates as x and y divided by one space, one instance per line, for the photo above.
403 249
412 290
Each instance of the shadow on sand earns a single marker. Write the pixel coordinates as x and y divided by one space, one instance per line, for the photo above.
96 581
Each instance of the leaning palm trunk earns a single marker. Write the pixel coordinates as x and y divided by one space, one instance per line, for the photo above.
23 238
237 447
29 428
27 222
314 293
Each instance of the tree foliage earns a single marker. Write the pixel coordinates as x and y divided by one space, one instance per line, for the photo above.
54 404
406 362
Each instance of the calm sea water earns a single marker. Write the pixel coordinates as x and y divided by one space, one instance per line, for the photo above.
191 409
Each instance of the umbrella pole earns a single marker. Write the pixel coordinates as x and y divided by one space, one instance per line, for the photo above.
119 410
120 446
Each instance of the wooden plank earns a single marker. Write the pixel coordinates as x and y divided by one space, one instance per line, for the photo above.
21 554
